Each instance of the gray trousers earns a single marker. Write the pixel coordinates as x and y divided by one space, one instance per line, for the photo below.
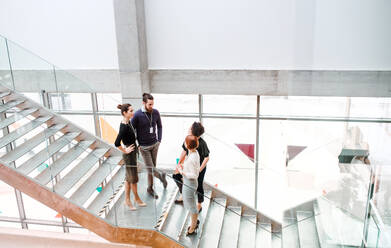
149 154
189 192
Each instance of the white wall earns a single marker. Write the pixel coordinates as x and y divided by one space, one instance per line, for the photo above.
278 34
205 34
70 34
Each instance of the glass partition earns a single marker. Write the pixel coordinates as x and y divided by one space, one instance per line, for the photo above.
5 67
311 149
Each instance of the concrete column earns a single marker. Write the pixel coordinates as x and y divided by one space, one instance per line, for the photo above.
132 50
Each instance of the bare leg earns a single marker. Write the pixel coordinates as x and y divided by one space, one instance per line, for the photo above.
136 196
127 196
193 225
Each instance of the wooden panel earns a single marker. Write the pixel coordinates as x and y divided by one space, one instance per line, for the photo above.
81 215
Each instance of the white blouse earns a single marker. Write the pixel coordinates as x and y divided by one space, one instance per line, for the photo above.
191 165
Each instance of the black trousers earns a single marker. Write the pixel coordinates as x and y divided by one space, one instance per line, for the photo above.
200 189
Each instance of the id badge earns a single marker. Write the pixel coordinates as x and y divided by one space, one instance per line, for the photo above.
151 130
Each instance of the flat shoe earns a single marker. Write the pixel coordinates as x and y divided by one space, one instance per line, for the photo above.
142 204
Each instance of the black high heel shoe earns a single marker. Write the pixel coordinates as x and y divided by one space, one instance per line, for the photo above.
188 233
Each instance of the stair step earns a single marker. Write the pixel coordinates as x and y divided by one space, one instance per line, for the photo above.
264 236
17 116
213 223
47 152
290 234
231 227
308 234
193 241
276 240
174 220
90 185
98 203
6 106
45 176
31 143
79 171
16 134
248 231
4 94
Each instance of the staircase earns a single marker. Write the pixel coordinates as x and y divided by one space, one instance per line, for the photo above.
78 163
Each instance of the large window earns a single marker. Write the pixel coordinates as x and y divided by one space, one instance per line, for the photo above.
298 143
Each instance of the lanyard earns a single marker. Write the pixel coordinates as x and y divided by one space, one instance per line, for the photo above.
150 120
134 131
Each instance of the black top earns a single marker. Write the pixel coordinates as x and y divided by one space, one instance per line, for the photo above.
202 149
125 134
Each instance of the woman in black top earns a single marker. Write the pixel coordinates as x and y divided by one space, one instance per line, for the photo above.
127 135
197 130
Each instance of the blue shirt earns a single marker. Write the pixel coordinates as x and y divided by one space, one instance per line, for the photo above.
142 121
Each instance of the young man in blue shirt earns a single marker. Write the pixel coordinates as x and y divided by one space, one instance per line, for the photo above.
148 126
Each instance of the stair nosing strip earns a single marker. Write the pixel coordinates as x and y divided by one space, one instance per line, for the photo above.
92 180
23 130
57 145
59 166
19 115
62 187
118 178
34 141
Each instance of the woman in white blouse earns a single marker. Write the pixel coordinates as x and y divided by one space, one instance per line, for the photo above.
190 170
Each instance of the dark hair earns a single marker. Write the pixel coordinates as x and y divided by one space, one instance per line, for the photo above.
146 97
123 107
197 129
191 142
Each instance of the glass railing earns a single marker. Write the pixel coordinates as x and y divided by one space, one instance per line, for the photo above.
378 210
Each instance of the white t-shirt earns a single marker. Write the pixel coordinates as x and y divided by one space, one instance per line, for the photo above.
191 165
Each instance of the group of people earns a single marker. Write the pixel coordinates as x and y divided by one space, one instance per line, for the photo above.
141 132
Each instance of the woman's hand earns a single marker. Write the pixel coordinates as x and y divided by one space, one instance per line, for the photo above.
129 149
179 168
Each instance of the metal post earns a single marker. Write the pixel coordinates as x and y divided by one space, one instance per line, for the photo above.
94 100
257 153
9 61
200 107
18 194
47 103
368 207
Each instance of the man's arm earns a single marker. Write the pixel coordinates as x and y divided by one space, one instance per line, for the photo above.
159 127
134 121
204 163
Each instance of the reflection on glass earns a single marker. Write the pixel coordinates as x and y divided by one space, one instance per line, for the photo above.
176 103
174 132
33 96
375 107
84 121
108 101
71 101
228 162
304 106
230 104
31 73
